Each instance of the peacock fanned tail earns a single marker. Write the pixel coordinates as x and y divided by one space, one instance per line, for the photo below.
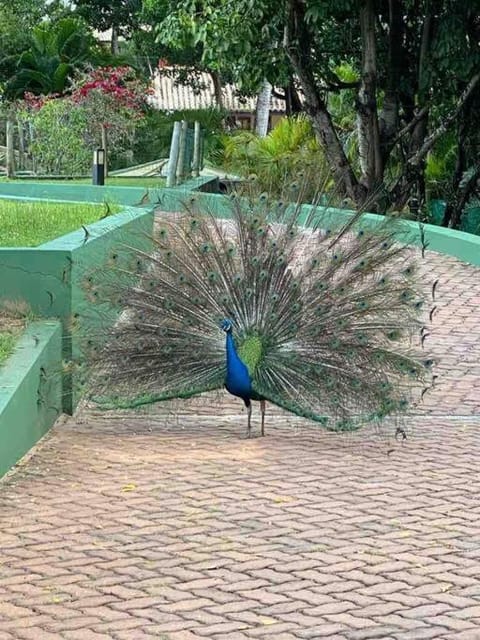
324 314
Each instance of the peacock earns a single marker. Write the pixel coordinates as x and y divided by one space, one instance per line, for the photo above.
311 310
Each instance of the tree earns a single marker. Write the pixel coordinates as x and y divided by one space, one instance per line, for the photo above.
114 101
55 51
122 17
17 19
262 114
416 65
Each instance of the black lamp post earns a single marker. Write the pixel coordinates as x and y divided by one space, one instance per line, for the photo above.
98 170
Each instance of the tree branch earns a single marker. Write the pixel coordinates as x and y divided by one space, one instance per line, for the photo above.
417 158
411 125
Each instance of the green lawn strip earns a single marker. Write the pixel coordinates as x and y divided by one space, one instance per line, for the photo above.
120 181
28 224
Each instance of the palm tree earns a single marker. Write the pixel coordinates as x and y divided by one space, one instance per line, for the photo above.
54 54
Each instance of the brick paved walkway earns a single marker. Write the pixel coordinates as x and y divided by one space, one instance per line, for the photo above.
150 526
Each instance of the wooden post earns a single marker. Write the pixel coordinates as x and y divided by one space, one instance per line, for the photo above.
181 152
105 150
31 140
196 149
21 145
173 157
10 150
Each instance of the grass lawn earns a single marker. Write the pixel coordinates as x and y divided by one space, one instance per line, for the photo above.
114 181
10 329
28 224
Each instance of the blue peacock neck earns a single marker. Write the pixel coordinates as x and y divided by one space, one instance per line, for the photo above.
238 381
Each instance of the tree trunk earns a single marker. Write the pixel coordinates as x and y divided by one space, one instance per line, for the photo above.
217 89
298 45
367 121
294 103
465 177
114 42
389 116
262 113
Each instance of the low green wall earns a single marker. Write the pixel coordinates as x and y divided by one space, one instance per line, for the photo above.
30 391
49 278
461 245
127 196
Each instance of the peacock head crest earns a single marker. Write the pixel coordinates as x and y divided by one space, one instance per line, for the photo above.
226 325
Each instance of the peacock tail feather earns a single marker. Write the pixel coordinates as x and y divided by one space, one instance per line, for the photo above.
324 314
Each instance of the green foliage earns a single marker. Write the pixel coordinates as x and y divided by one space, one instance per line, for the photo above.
17 19
57 142
440 166
55 51
103 14
289 151
28 224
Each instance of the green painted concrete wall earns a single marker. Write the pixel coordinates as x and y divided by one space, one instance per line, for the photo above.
30 391
461 245
127 196
50 278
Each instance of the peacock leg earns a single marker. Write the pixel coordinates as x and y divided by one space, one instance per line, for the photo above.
249 420
262 410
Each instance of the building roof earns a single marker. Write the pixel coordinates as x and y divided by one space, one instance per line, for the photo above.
171 95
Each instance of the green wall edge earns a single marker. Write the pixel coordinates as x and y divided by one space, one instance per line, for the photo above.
458 244
30 390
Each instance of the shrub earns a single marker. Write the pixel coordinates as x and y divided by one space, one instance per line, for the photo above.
288 154
56 137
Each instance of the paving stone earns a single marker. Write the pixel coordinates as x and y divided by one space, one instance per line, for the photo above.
169 524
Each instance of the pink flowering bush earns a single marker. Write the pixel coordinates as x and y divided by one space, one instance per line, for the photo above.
115 101
62 131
